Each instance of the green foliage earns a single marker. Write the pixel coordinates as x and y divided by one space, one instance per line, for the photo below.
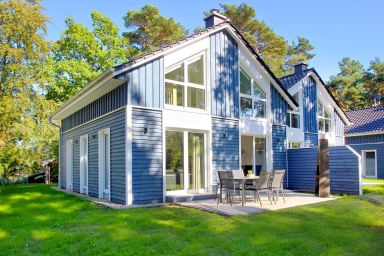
355 87
273 48
37 220
150 30
82 54
25 135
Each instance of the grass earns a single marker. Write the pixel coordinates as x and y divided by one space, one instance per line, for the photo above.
35 219
374 193
372 180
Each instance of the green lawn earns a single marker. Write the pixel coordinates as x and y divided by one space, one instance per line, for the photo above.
371 180
35 219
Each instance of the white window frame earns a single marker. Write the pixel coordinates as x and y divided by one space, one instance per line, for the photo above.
187 84
101 142
290 113
322 117
252 96
84 183
69 164
364 162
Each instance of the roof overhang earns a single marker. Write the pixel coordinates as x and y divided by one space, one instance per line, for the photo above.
363 134
335 104
95 89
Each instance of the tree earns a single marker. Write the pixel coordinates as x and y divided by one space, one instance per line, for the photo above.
273 48
150 30
82 54
374 82
348 86
299 52
25 135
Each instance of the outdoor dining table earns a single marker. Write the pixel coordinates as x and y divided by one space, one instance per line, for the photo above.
243 181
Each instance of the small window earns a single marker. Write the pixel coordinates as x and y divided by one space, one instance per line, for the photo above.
324 118
294 145
253 99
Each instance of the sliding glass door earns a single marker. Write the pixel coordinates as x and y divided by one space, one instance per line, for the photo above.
185 161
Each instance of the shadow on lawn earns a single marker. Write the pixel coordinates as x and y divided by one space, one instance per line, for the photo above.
42 220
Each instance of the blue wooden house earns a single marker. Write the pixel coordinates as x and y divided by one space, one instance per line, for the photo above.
366 135
319 114
161 124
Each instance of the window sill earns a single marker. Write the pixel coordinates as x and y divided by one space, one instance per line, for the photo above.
186 109
257 119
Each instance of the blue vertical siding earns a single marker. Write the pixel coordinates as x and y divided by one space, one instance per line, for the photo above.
147 156
344 171
311 140
224 65
145 84
279 107
225 145
302 166
310 105
279 148
116 123
109 102
379 147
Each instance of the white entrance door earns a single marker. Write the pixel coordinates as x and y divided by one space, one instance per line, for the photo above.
104 164
370 167
84 164
186 162
68 164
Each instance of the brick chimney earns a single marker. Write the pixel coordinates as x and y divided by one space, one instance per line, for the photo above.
301 67
214 18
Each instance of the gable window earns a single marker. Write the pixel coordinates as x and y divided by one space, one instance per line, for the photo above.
294 117
185 84
253 99
324 118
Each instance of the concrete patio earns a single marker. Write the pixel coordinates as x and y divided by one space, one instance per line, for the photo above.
292 199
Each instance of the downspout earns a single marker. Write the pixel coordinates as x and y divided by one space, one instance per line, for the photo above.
52 123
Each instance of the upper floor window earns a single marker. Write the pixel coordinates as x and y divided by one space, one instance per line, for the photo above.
252 98
324 118
292 116
185 84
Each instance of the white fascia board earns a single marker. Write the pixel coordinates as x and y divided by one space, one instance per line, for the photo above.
329 98
363 134
98 87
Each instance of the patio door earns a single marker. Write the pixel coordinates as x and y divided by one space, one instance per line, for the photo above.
186 168
370 164
84 164
68 164
253 154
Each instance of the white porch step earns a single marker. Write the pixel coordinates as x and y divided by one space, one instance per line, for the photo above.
189 197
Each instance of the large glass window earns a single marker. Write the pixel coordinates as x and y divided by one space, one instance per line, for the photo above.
324 118
252 98
174 160
185 84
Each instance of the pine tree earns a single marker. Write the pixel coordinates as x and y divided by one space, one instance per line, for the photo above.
150 30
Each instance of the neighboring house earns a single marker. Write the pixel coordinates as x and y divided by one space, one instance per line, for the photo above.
163 123
366 135
319 114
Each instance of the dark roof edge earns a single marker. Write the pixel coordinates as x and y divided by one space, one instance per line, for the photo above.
330 93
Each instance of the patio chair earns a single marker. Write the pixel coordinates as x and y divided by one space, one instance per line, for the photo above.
263 184
222 184
277 184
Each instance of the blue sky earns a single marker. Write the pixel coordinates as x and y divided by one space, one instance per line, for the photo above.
337 28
